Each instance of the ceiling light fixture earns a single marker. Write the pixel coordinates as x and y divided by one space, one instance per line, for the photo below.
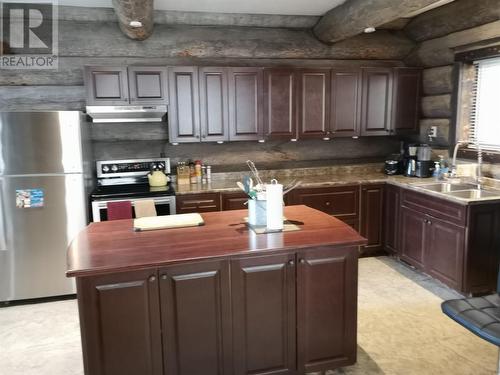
135 24
369 30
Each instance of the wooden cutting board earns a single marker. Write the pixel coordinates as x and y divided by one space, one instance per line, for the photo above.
167 222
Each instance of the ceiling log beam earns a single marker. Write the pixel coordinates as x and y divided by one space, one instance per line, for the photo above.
140 11
354 16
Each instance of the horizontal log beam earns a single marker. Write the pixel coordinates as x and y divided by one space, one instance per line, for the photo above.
135 11
436 106
353 16
95 39
438 80
456 16
34 98
111 132
440 51
70 69
171 17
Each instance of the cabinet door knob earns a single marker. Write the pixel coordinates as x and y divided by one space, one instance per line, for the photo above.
327 203
302 261
152 279
164 277
291 262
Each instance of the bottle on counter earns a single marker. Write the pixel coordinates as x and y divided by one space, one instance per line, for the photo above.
209 174
203 174
198 171
192 172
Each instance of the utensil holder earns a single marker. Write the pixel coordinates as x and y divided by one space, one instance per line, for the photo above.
257 212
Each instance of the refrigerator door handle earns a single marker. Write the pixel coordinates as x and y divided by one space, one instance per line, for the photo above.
3 239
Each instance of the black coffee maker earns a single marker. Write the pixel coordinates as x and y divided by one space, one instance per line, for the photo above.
410 161
424 166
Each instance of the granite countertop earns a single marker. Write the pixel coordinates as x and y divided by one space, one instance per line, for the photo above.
330 176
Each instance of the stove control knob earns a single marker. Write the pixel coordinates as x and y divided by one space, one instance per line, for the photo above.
114 168
105 168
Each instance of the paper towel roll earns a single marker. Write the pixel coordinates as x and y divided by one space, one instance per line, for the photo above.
274 195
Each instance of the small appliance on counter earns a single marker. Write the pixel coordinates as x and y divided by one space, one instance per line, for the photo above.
393 165
410 164
418 162
127 180
424 164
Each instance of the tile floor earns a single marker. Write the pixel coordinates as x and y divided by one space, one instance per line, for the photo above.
401 330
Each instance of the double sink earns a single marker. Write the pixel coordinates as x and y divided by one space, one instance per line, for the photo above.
462 190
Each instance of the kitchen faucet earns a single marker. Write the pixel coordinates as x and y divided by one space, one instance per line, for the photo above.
453 173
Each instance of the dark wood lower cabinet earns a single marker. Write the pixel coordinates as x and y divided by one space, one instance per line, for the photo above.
391 224
234 201
412 245
326 309
196 318
372 216
203 202
286 313
454 243
444 251
264 314
120 323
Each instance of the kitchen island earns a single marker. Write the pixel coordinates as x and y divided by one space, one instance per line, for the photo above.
217 299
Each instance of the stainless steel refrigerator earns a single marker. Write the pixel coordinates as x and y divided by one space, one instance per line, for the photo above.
45 172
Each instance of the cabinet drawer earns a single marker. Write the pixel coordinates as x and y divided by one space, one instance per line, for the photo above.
198 203
439 208
233 201
341 201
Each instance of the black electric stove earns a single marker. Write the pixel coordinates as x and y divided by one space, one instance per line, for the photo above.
138 190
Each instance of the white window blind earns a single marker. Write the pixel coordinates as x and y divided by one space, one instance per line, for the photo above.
484 128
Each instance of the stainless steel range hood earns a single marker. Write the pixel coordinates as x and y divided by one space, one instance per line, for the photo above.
127 113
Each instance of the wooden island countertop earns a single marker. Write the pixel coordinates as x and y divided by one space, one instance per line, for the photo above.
114 246
217 299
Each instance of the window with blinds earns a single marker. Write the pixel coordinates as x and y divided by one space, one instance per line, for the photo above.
484 127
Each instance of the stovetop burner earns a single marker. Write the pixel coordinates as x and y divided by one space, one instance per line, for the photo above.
131 191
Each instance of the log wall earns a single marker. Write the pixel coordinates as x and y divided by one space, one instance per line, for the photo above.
92 37
460 25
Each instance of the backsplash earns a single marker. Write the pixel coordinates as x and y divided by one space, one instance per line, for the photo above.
268 155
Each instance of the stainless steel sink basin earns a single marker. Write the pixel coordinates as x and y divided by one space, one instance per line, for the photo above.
446 187
475 194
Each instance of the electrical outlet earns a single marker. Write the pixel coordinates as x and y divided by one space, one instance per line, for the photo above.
433 132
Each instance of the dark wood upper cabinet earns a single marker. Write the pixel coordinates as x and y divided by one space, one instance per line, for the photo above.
313 87
392 204
106 85
214 120
184 105
263 290
376 110
280 104
326 309
147 85
406 103
346 103
245 104
131 338
196 318
372 216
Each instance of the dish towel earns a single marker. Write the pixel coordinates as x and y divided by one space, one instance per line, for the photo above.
119 210
144 208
